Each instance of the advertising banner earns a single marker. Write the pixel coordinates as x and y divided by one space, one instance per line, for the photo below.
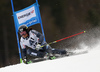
28 16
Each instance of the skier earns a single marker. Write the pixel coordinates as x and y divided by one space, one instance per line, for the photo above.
34 40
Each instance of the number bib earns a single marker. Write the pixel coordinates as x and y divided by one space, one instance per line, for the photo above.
32 41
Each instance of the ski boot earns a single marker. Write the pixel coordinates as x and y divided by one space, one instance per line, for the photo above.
49 56
52 57
28 62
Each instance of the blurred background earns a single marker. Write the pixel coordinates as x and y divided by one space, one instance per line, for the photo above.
60 18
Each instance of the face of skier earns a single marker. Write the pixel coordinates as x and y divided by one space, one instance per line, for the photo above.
24 34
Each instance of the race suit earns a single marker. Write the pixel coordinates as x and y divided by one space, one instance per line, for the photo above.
31 41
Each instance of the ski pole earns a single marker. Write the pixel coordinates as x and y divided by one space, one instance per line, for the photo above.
63 38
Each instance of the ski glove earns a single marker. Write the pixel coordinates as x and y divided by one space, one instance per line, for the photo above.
24 59
38 47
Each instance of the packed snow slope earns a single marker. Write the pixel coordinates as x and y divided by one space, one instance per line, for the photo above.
88 62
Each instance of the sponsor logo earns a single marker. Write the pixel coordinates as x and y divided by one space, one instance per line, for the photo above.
25 15
32 21
32 53
21 30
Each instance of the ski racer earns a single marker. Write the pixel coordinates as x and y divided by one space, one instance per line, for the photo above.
34 40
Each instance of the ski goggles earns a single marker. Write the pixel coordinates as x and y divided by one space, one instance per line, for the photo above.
23 33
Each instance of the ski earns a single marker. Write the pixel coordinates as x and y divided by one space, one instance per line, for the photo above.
56 56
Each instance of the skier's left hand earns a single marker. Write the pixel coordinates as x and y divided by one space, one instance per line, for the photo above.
38 47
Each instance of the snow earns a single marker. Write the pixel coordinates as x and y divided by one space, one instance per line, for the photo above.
88 62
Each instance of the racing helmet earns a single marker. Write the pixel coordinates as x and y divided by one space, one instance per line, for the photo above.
23 28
